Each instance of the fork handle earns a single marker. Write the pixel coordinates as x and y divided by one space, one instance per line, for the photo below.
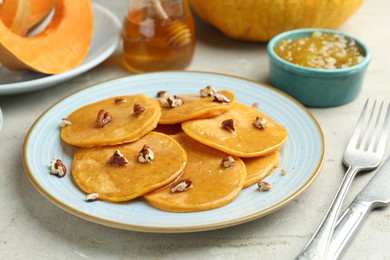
347 226
317 248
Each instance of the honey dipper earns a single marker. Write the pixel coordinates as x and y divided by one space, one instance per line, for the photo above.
178 34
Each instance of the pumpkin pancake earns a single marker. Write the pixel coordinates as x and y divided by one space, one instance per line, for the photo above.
93 173
246 139
126 125
195 106
212 185
257 168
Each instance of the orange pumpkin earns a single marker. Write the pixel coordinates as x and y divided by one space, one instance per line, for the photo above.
13 14
39 10
61 46
260 20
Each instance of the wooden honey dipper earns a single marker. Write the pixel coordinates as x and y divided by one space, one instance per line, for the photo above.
179 35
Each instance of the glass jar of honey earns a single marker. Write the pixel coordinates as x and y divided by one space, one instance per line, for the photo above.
158 35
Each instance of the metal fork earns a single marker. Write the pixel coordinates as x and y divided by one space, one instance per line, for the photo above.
364 152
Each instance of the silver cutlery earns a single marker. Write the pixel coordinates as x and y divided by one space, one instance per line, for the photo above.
364 152
375 194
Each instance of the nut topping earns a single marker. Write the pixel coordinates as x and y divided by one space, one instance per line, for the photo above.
146 155
117 159
207 91
264 186
92 197
57 168
183 185
228 162
120 100
221 98
138 109
229 124
174 101
260 122
65 122
162 94
103 118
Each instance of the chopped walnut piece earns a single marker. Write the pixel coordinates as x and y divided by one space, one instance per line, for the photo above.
162 94
120 100
260 122
117 159
264 186
207 91
255 105
181 186
229 124
138 109
103 118
174 101
146 155
57 168
228 162
65 122
92 197
221 98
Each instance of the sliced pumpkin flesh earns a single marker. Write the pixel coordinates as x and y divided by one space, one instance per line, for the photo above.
61 46
93 174
212 185
39 10
13 14
257 168
195 106
125 126
246 141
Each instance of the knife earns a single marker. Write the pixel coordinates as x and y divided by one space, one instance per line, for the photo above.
375 194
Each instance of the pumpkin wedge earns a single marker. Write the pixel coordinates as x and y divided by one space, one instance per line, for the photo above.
39 10
13 14
61 46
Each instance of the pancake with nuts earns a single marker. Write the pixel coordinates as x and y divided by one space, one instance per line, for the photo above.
179 108
111 121
124 172
211 179
257 168
242 131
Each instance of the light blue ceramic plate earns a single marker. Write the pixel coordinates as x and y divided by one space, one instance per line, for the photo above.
107 28
302 155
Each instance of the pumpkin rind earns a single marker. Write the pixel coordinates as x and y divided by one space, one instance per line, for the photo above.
260 20
39 10
13 14
61 46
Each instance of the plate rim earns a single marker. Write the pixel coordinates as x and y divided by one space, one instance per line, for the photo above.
50 80
183 229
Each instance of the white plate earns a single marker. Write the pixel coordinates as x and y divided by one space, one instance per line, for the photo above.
106 36
302 155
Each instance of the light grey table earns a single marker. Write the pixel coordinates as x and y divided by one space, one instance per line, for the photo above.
31 227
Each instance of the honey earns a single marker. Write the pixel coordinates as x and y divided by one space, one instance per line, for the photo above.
155 41
321 51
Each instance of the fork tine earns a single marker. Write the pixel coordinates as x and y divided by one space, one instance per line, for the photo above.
381 141
356 135
366 134
371 138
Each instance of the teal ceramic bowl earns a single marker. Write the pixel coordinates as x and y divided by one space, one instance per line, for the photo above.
316 87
